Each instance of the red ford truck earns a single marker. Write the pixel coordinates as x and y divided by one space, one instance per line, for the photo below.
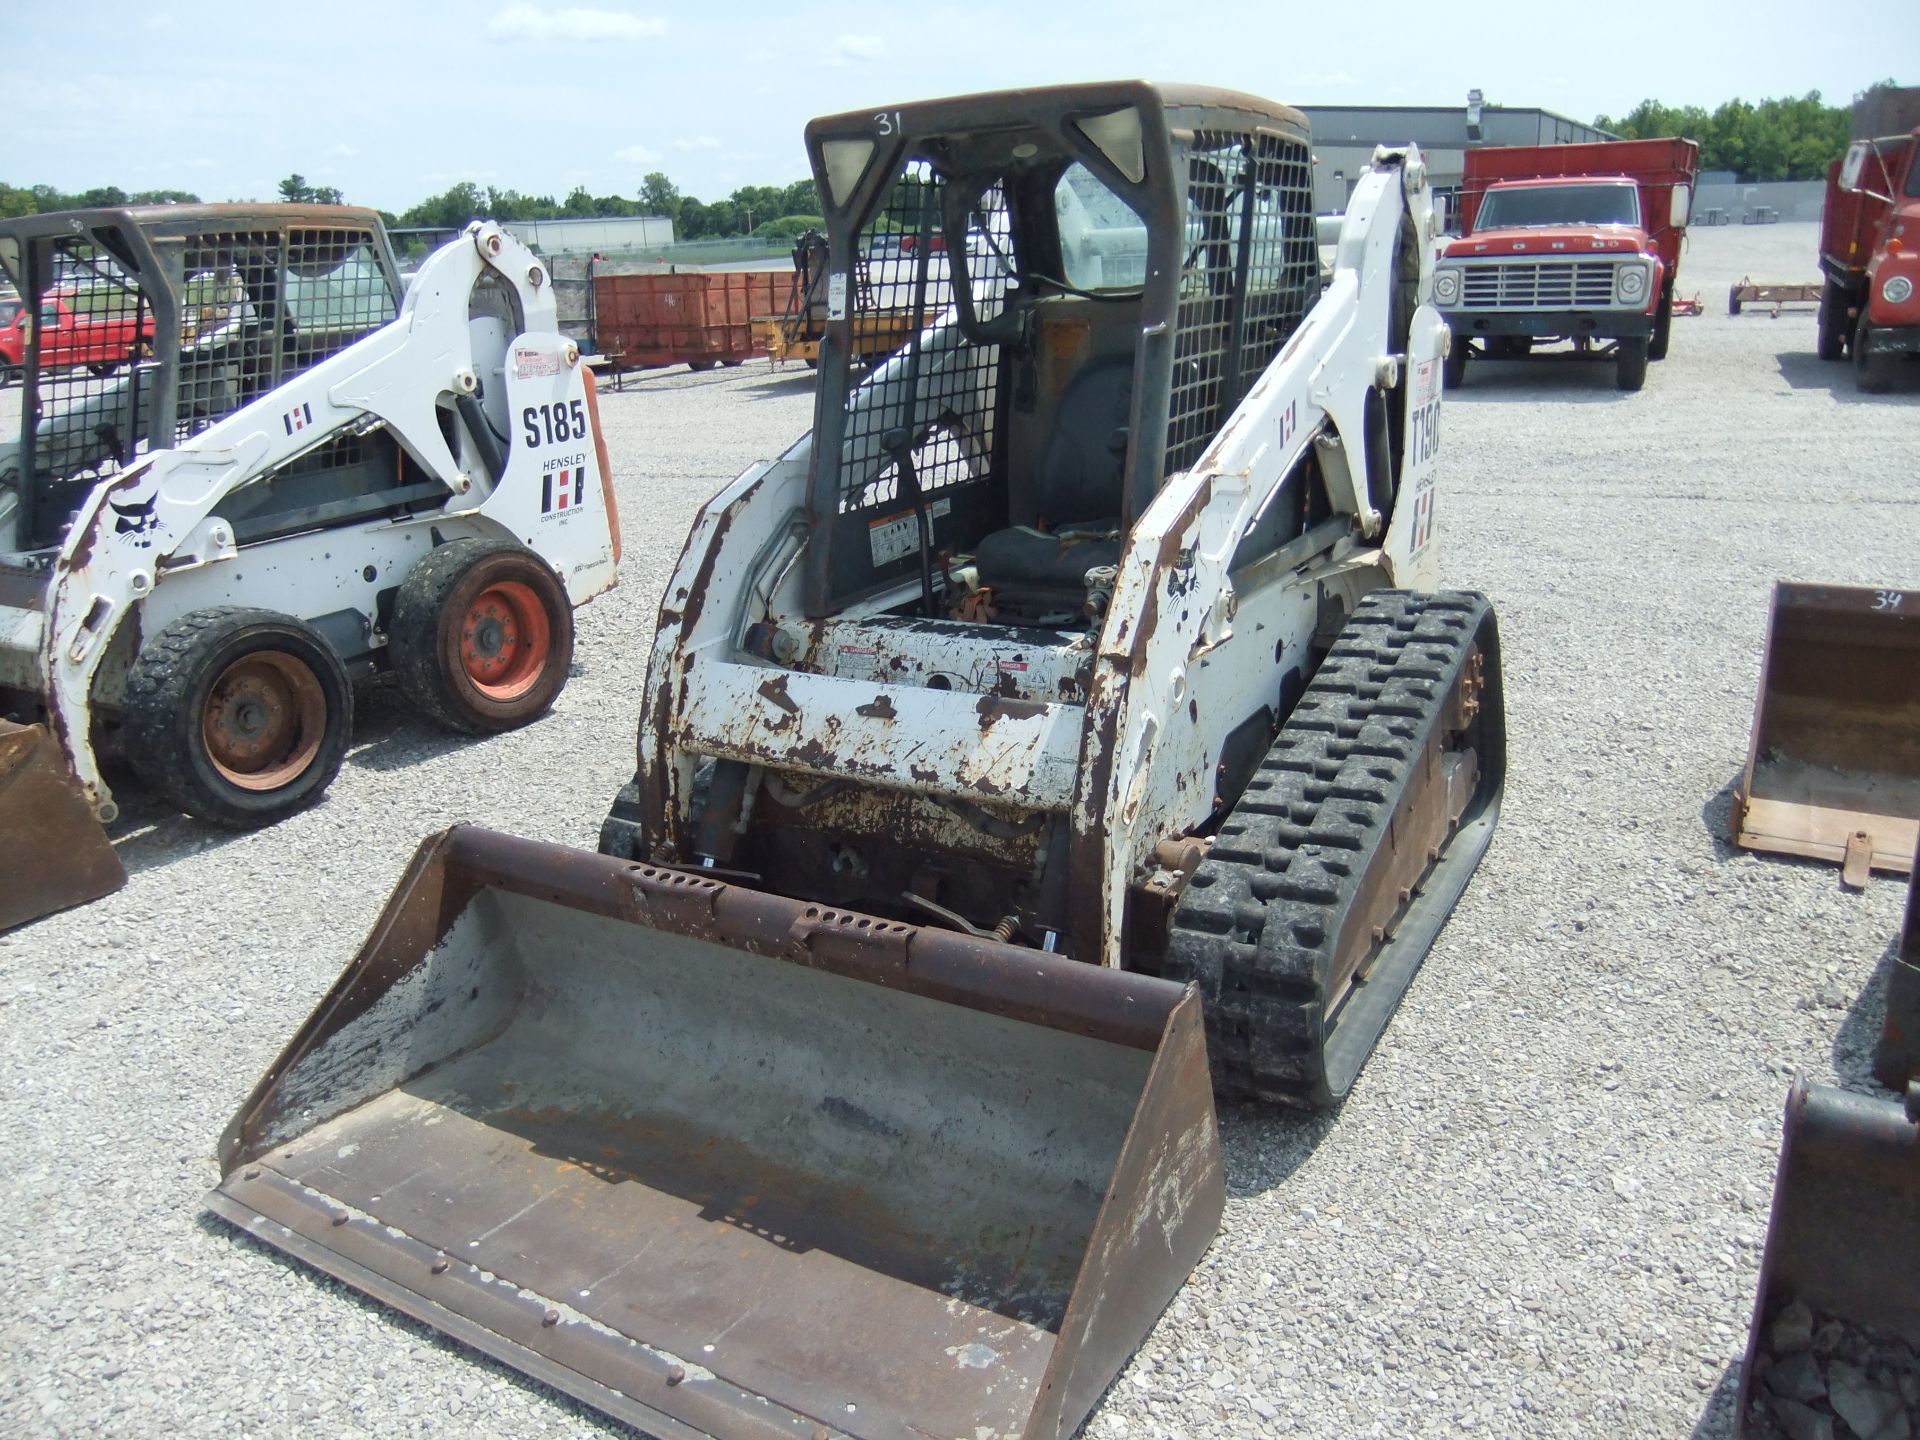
70 335
1870 256
1576 243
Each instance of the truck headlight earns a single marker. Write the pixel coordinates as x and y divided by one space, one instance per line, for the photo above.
1631 283
1446 286
1895 291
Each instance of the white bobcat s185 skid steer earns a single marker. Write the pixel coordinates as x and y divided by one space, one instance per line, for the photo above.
241 480
1070 704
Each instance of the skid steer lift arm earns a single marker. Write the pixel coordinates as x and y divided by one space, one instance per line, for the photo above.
422 378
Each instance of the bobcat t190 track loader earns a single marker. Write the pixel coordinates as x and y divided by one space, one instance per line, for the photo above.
246 473
1090 633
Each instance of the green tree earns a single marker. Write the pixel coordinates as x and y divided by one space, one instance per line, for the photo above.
660 196
1790 138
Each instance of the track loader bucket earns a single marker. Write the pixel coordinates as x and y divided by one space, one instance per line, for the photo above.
53 853
1833 768
1840 1247
719 1162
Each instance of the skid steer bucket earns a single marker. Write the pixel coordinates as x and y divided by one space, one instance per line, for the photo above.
1833 768
719 1162
1844 1229
53 853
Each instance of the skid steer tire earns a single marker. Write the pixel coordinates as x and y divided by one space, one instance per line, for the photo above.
1630 363
482 636
1331 875
237 716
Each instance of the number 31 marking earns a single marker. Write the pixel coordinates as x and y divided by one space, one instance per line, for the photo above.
887 122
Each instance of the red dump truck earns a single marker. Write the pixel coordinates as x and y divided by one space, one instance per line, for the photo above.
1576 243
1870 256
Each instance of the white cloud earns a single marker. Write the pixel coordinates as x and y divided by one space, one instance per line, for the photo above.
343 150
199 162
855 49
637 155
537 25
697 142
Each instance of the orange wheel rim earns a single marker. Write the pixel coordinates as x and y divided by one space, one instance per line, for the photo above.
263 720
505 640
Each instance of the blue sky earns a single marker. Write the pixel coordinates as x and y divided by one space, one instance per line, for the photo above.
392 101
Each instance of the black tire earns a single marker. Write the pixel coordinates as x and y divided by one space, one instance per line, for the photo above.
1832 344
9 375
1630 362
699 365
1870 372
1662 328
1512 347
237 716
482 636
733 364
1453 370
103 368
1733 300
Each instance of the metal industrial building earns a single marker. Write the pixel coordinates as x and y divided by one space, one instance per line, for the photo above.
1344 137
601 235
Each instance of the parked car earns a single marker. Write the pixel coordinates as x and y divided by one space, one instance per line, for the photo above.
72 332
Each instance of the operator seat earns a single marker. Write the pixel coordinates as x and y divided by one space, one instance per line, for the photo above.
1076 499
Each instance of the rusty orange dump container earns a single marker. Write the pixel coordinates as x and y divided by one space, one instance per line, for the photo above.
702 317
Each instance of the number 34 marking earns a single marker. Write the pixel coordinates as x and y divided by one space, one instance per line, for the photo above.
1888 599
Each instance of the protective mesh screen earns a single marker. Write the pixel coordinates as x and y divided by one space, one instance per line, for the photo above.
1249 213
86 397
903 288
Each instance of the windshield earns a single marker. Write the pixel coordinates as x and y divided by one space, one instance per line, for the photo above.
8 309
1103 244
1528 206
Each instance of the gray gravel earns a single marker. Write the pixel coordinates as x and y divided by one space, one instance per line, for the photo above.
1539 1214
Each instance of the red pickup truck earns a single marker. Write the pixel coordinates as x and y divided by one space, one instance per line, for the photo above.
69 336
1579 243
1870 254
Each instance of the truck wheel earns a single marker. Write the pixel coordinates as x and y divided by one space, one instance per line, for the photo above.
482 636
1733 300
699 365
1453 370
238 716
1662 328
1832 344
9 375
1630 362
1870 371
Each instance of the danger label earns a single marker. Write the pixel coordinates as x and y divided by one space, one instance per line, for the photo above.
837 295
898 535
529 363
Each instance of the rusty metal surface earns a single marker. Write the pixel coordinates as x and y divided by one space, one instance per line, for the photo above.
724 1163
1846 1219
53 853
1896 1060
1834 760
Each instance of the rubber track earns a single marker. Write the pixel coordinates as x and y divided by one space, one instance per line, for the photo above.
1256 925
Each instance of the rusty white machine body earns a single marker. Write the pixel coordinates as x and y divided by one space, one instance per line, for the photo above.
1062 732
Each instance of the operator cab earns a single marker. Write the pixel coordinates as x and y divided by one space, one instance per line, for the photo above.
1087 291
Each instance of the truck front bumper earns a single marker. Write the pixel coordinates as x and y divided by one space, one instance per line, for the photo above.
1893 339
1549 324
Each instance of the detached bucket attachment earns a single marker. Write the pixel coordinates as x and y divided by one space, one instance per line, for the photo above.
1838 1278
1896 1060
697 1154
56 853
1833 769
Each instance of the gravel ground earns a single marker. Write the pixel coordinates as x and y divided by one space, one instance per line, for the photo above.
1539 1214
